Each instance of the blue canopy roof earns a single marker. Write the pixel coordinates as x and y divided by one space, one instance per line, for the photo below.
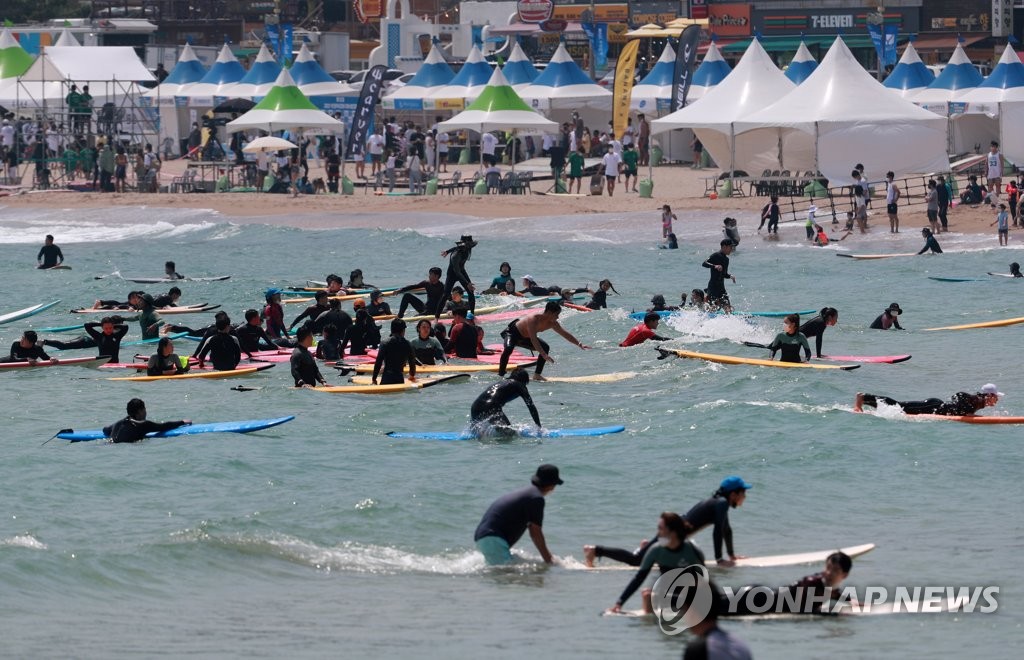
476 71
562 71
434 72
802 66
265 69
661 73
958 74
188 69
226 69
1008 73
305 70
519 70
910 72
712 70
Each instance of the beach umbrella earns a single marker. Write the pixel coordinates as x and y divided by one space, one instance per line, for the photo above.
268 143
14 61
235 105
802 66
285 108
258 79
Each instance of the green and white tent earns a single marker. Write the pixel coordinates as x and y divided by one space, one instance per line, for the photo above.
285 108
14 61
499 108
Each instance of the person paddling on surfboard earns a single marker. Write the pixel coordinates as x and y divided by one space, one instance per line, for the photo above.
671 550
171 271
303 366
828 316
165 362
523 333
27 350
888 319
808 595
599 299
393 356
658 304
1015 270
961 404
790 341
929 242
49 255
511 515
641 332
135 426
487 411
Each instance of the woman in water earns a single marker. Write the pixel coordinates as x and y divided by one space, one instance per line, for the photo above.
504 275
816 326
1015 270
425 345
599 300
790 341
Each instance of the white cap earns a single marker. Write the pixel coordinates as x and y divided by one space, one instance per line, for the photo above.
529 277
812 209
989 388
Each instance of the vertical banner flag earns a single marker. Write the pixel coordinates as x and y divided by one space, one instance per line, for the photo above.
891 33
624 70
686 57
285 44
878 40
368 98
597 34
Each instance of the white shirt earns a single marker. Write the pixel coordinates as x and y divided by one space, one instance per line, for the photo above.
547 142
995 165
611 162
375 144
391 163
52 139
414 164
487 144
442 142
616 146
890 194
627 136
7 135
261 161
572 142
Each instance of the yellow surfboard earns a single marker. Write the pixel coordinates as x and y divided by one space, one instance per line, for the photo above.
983 324
199 374
390 389
443 368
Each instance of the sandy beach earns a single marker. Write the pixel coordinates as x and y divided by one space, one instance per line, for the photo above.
676 185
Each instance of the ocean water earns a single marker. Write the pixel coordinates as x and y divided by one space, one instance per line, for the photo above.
325 538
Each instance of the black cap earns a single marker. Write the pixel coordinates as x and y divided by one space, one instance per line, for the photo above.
547 475
894 307
467 239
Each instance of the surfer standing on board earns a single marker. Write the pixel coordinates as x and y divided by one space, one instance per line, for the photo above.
719 264
458 256
523 333
961 404
512 514
49 255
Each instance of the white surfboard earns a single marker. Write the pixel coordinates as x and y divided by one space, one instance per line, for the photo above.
766 561
594 378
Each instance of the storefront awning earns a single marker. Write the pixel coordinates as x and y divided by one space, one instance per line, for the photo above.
786 44
528 29
945 41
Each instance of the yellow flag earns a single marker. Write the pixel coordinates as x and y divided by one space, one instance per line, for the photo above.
624 69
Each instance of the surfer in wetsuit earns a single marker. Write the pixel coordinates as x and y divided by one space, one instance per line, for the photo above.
377 306
731 493
523 333
107 339
599 299
810 594
303 366
27 350
644 330
273 314
432 286
171 271
165 362
929 242
393 356
49 255
658 304
313 311
504 276
222 347
333 316
790 341
961 404
425 346
362 334
488 411
671 550
888 319
458 256
135 426
717 297
816 326
1015 270
251 333
466 339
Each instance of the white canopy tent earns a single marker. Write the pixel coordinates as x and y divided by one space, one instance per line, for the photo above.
755 83
841 115
217 82
995 108
563 85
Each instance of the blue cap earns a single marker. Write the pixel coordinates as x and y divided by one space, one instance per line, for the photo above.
271 292
729 484
469 316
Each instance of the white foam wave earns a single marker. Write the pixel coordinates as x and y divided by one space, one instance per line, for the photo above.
71 225
24 541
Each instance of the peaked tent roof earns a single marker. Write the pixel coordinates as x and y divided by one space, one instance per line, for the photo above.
433 75
839 111
657 84
564 83
498 108
712 70
755 83
469 81
222 76
519 70
910 74
802 66
305 70
188 70
260 77
1004 84
67 40
84 64
959 75
14 61
285 108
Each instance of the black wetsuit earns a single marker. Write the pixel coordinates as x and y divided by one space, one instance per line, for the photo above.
132 430
815 327
943 198
796 598
378 309
879 323
51 256
434 294
338 318
771 214
512 338
107 345
312 312
392 358
457 274
931 244
19 354
224 351
599 300
112 304
204 335
789 346
427 351
360 336
249 337
541 291
488 406
716 293
304 369
163 301
960 404
464 340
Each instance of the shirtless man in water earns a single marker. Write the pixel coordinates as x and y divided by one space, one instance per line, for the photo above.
523 333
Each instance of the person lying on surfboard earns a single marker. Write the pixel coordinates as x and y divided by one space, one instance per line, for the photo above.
171 271
961 404
169 299
641 332
487 412
888 319
134 302
929 242
790 341
671 550
27 350
808 595
135 426
599 298
658 304
731 493
523 333
1015 270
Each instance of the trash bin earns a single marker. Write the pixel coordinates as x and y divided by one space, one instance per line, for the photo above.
560 186
347 187
432 186
656 155
646 188
815 189
464 156
725 188
480 188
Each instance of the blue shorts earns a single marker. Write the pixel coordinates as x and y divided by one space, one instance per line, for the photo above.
495 550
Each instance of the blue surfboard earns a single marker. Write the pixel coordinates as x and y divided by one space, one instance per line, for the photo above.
959 279
523 433
245 426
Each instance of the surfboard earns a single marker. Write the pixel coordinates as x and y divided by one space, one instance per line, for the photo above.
90 362
163 311
27 312
594 378
796 559
63 328
392 389
669 312
1013 277
427 368
958 279
731 359
57 267
972 419
245 426
247 371
448 316
867 359
983 324
522 433
166 280
875 256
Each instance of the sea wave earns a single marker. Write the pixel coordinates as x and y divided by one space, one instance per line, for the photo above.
23 541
